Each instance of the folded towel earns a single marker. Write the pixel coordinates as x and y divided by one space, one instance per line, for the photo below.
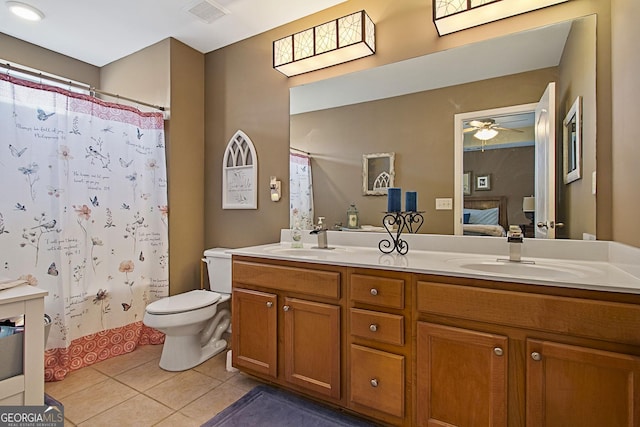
11 283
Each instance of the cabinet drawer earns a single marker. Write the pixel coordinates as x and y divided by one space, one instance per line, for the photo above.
566 315
377 380
380 291
293 279
377 326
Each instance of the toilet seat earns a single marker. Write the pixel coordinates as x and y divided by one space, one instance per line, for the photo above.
187 301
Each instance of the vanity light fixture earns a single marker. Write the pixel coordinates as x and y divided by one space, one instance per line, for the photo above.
485 134
334 42
450 16
276 188
25 11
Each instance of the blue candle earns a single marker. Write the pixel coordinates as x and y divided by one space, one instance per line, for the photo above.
411 201
393 200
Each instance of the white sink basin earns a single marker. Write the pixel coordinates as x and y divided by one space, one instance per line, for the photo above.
537 270
304 252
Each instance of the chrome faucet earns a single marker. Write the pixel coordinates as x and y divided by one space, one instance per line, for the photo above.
515 239
321 231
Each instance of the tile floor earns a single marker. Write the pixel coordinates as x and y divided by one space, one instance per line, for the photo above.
132 390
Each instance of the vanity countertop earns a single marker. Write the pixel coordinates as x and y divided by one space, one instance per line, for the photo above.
593 265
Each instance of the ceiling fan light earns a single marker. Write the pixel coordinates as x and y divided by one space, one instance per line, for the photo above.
25 11
485 134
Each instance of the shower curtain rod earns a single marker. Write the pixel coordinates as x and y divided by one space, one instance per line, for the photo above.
91 89
299 151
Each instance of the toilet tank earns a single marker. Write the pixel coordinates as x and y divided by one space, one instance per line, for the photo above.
219 268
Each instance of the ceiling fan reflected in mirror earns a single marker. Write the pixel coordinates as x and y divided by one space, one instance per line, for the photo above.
486 129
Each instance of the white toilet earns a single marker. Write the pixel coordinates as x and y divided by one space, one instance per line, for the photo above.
194 321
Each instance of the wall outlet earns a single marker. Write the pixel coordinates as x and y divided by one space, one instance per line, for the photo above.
444 204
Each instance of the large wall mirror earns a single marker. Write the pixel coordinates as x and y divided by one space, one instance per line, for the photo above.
409 108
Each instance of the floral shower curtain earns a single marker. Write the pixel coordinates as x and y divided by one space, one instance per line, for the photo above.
300 191
83 215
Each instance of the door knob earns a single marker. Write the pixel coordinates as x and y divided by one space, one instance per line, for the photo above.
542 225
498 351
286 308
373 327
269 304
536 356
374 382
374 291
559 224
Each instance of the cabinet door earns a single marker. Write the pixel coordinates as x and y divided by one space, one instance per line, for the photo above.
254 338
579 386
461 377
312 346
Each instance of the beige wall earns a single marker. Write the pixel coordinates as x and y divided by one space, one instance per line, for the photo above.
30 55
626 111
244 92
576 204
418 128
171 74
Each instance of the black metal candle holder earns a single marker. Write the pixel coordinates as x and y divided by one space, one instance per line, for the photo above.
405 221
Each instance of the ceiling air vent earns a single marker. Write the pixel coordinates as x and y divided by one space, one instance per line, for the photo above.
207 11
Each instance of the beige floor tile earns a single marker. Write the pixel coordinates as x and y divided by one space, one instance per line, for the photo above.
182 389
74 382
124 362
207 406
178 419
243 381
84 404
68 423
155 349
145 376
139 411
216 367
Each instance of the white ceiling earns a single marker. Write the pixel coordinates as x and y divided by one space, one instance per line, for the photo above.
102 31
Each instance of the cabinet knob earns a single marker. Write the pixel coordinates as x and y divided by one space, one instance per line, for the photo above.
269 304
286 308
536 356
373 327
498 351
374 382
374 291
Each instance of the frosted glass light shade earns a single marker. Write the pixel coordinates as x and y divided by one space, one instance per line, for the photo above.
485 134
25 11
334 42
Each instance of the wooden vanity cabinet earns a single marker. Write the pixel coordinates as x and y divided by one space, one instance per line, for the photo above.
287 324
379 361
547 356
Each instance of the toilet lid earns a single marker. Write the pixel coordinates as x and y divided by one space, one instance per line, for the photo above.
187 301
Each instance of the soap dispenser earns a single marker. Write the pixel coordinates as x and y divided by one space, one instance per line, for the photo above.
352 217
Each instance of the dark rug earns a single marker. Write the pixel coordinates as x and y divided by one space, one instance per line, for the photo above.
266 406
50 401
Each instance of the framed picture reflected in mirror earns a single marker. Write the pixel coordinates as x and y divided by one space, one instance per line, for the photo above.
377 173
572 142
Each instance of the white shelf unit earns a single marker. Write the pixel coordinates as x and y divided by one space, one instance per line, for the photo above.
28 388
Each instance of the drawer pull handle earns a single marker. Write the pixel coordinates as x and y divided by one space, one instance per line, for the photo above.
498 351
374 382
374 291
286 308
373 327
269 304
536 356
